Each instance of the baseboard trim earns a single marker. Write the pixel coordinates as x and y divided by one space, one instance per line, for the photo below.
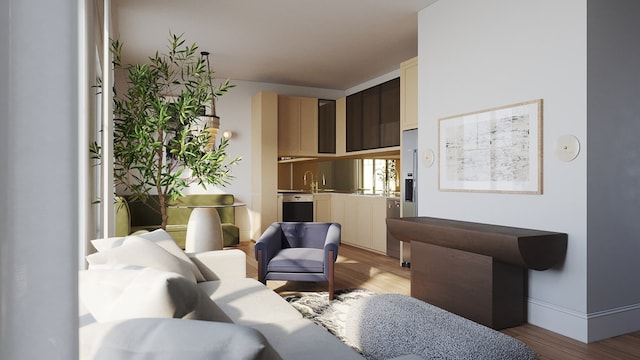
584 327
614 322
558 319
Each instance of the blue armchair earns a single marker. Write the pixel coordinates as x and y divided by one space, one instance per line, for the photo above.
298 251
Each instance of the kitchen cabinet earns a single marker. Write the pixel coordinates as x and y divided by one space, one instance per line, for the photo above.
264 161
297 126
390 113
362 219
326 126
322 208
373 117
409 94
371 227
341 126
379 224
342 213
337 211
279 210
354 122
363 222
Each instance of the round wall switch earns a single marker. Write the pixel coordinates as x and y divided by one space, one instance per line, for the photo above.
428 157
567 148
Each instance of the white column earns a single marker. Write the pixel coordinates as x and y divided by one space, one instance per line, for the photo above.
38 179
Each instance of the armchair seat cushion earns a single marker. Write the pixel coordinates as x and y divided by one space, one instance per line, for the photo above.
306 260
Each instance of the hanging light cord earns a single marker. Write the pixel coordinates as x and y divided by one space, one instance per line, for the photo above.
213 98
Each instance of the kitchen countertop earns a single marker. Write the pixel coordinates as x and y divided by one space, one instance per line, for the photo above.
333 191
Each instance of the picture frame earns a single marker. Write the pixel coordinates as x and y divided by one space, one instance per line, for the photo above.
493 150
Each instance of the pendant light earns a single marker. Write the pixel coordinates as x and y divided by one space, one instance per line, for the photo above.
210 120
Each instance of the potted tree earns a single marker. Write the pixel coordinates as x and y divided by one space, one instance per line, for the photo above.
162 126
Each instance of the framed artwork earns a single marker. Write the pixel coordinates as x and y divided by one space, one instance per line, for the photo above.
494 150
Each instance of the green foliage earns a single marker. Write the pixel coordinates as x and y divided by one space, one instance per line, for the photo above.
159 142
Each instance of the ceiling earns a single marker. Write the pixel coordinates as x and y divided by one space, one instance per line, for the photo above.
333 44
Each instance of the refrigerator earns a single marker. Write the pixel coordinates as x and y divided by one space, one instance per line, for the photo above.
409 186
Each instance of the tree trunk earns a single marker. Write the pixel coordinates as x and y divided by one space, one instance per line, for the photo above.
163 211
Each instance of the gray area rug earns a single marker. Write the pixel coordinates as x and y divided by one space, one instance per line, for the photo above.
332 315
391 325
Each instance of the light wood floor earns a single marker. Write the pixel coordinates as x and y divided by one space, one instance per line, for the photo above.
357 268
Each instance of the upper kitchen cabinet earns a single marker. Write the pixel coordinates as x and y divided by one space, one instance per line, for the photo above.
409 94
326 126
297 126
390 113
354 122
341 126
373 117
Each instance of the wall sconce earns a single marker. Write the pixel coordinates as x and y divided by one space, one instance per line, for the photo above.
227 134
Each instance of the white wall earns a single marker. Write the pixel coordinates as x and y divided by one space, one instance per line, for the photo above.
373 82
39 179
475 55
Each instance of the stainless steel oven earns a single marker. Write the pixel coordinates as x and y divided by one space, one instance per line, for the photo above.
297 207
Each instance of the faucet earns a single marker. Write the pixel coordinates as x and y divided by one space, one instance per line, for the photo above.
304 179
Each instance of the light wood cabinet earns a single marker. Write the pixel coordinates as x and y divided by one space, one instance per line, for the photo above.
322 208
337 211
297 126
362 219
379 225
288 125
409 94
264 205
279 210
363 225
350 224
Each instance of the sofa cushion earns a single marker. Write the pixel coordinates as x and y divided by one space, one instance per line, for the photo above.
170 339
135 292
304 260
159 237
141 252
247 301
302 339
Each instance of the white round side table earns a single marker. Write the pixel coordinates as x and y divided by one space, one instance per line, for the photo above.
204 228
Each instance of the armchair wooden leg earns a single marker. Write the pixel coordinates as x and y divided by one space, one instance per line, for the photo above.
331 269
260 272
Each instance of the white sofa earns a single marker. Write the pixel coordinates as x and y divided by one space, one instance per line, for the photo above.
144 298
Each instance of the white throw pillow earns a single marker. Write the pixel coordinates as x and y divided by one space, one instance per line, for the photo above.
119 294
170 339
142 252
159 237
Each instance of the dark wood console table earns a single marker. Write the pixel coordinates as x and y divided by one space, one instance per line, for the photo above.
475 270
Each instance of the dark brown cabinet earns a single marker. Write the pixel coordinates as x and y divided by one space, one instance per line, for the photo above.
390 113
370 118
326 126
354 122
373 117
